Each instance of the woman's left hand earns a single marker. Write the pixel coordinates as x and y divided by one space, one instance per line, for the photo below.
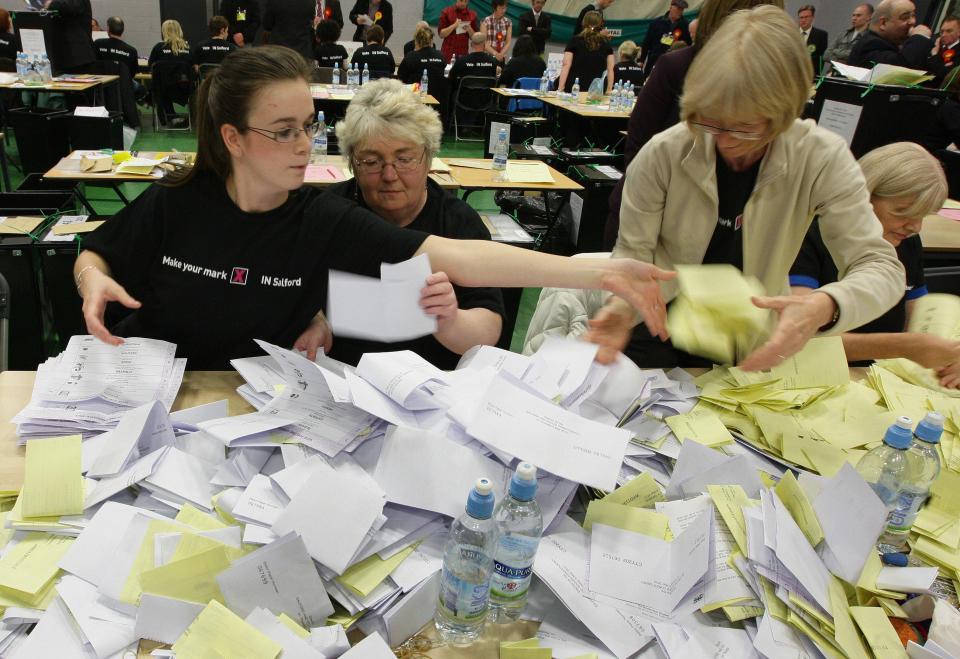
438 298
801 317
950 376
318 334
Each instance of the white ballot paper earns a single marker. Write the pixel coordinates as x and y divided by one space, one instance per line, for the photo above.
164 619
907 579
402 376
652 575
698 466
511 420
140 431
386 309
280 577
372 647
293 647
136 472
561 563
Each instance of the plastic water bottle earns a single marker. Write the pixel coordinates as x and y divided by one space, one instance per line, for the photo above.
46 69
519 526
424 84
352 76
318 150
22 65
500 153
544 83
365 77
914 491
615 98
33 76
467 562
887 467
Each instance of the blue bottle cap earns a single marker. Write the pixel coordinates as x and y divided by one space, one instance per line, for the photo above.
523 486
894 559
900 434
480 501
930 429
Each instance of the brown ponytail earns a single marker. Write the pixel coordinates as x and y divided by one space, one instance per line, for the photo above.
225 97
592 24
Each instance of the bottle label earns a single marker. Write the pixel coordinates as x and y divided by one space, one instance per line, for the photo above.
903 515
463 599
509 582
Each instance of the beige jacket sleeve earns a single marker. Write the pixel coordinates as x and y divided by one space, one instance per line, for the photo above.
642 206
871 277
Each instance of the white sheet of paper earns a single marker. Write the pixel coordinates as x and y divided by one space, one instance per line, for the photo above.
796 554
184 476
56 635
411 613
512 420
372 647
164 619
136 472
259 502
199 413
840 118
280 577
907 579
293 647
106 638
231 428
401 376
32 42
698 466
140 431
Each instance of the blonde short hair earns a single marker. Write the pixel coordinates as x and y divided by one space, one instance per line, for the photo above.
906 170
628 50
387 108
754 66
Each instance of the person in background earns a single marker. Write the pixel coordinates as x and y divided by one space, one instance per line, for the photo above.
116 49
587 56
738 183
943 58
389 138
243 211
477 62
375 55
658 101
535 23
424 58
214 49
177 86
627 69
328 10
457 26
411 45
9 45
905 184
814 38
244 18
290 23
173 47
95 25
663 33
326 50
859 22
499 30
525 62
367 13
893 38
76 41
598 6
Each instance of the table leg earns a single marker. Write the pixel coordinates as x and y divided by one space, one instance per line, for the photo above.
116 188
3 167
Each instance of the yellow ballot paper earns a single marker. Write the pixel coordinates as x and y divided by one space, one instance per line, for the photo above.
880 634
641 492
363 577
628 518
821 363
713 315
795 500
199 520
191 579
938 314
292 625
219 632
701 425
730 500
845 632
31 565
527 649
52 483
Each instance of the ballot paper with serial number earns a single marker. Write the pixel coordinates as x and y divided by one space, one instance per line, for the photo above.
512 420
404 376
386 309
649 574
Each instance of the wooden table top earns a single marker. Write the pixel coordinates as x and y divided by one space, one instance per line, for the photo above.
112 175
339 163
581 107
940 234
340 94
55 86
471 178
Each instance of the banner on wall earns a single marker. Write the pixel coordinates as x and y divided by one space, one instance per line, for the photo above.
626 19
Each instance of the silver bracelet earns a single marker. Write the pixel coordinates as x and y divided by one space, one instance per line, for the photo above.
78 280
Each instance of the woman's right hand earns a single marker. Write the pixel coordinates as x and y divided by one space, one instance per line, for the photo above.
97 290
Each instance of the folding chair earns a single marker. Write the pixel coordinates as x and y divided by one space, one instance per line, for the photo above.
525 105
174 82
474 96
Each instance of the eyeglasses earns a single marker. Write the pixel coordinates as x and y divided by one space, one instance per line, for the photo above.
735 134
401 164
287 135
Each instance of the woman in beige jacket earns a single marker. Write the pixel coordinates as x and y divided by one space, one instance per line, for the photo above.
739 181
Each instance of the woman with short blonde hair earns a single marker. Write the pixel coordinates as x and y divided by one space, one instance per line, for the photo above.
738 182
906 184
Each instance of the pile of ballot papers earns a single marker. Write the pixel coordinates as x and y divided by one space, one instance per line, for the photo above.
326 509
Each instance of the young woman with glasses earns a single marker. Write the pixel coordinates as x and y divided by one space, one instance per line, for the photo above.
238 249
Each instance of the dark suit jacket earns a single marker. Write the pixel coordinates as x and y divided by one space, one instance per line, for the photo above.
386 22
817 45
578 28
872 49
290 24
76 46
248 28
539 31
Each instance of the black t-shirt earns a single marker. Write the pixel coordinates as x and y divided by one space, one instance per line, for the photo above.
587 64
443 215
117 50
733 192
628 72
476 63
164 53
212 278
378 57
412 66
330 54
212 51
529 66
814 267
9 45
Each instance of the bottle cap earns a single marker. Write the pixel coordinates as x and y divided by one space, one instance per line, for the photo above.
523 486
930 429
899 434
480 501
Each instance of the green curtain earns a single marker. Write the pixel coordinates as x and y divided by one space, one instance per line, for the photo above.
563 26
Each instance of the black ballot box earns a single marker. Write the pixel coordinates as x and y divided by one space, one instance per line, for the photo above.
90 133
588 209
869 116
56 256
